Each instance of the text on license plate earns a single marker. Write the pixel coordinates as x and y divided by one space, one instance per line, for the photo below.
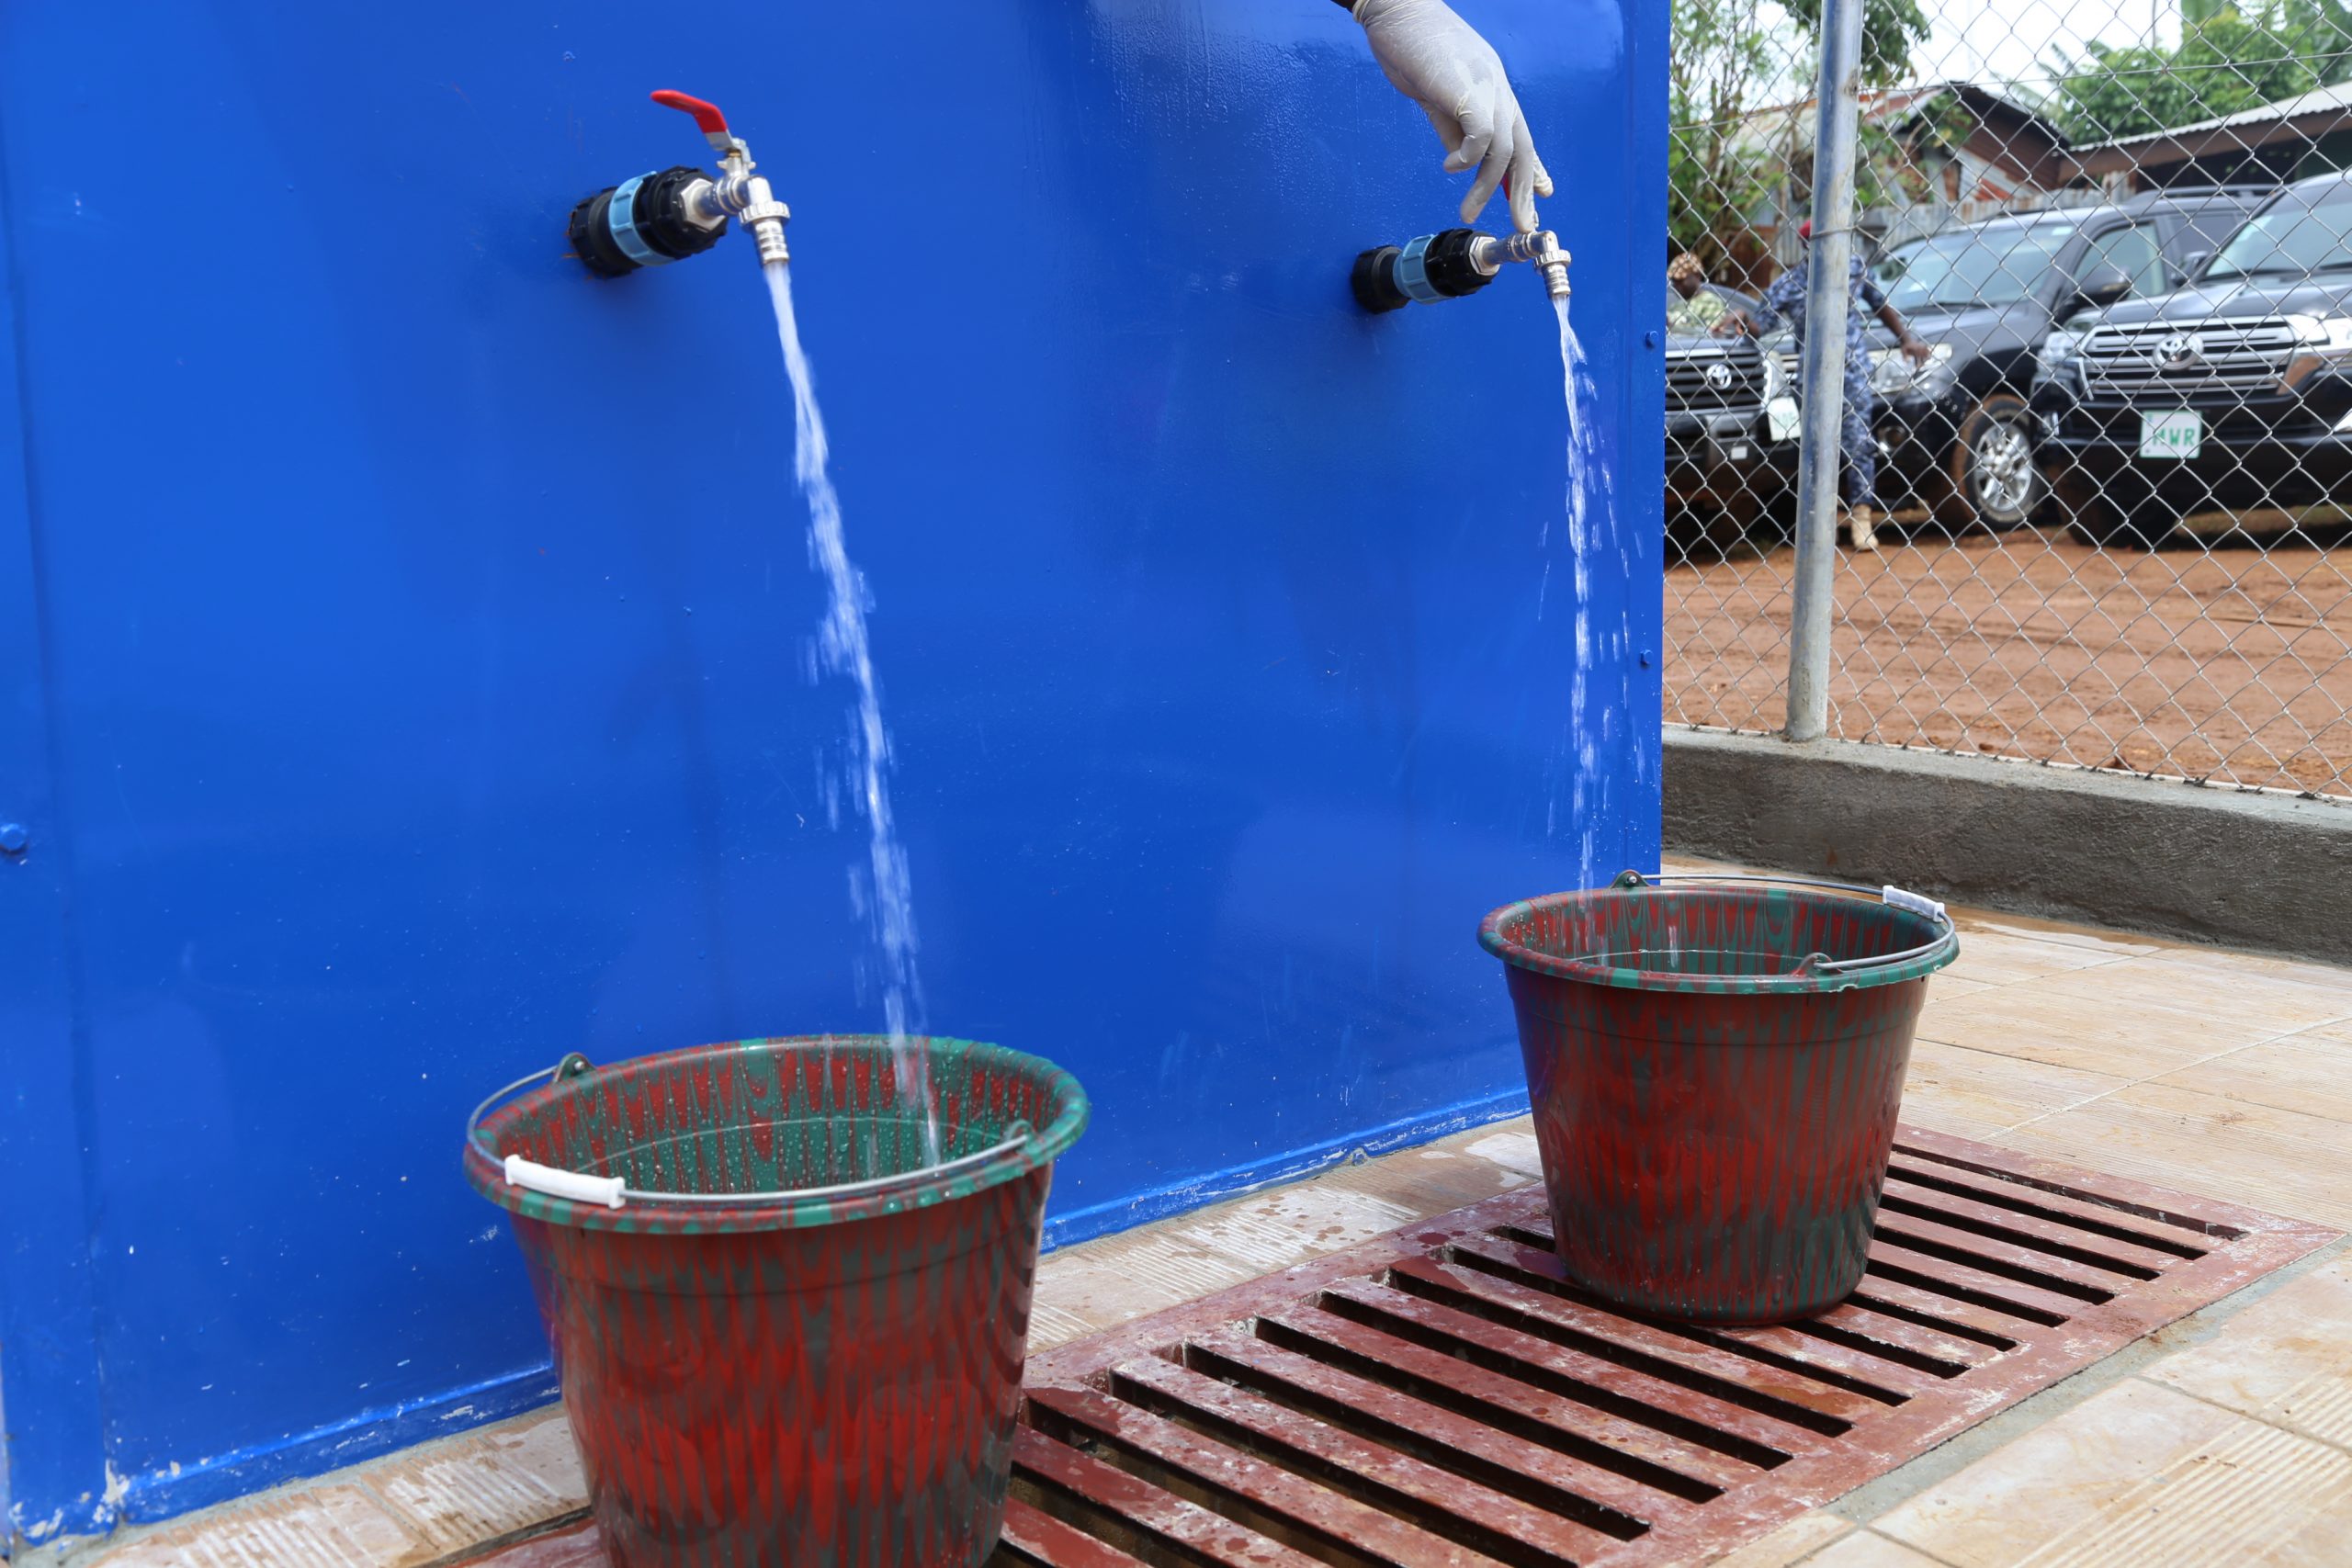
2178 432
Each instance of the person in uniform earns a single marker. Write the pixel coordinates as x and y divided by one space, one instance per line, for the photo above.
1785 301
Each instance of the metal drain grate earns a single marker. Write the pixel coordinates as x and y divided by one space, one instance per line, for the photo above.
1441 1397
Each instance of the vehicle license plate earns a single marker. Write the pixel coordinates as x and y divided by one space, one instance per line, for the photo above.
2177 433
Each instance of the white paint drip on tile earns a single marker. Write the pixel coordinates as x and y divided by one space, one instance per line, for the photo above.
1289 1227
2229 1503
1512 1151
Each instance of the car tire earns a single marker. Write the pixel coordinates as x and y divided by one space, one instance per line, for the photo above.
1994 476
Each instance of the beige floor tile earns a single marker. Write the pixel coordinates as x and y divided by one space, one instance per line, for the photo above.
2252 1494
2320 1537
2335 978
2276 1160
2106 943
2056 1478
327 1526
1051 1325
2307 1072
1864 1550
1791 1543
1687 865
1998 957
1947 984
486 1485
2093 1034
2287 1358
2250 1002
1974 1094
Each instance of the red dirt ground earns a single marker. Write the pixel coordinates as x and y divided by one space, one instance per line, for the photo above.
2212 659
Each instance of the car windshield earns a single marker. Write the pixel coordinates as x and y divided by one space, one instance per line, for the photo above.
1999 265
2302 233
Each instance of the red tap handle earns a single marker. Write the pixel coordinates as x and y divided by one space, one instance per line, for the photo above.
705 115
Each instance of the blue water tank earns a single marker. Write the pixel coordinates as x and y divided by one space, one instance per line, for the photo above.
404 636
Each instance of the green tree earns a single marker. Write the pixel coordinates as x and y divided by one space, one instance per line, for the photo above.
2230 58
1732 62
1891 30
1725 63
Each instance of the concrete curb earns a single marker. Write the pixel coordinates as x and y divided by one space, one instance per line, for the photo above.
2147 856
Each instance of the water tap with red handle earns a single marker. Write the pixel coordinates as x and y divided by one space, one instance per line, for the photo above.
670 214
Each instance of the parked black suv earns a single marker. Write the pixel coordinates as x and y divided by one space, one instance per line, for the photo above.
1721 471
2235 391
1955 432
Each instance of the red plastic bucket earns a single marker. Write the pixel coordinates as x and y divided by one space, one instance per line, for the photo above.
1716 1066
783 1337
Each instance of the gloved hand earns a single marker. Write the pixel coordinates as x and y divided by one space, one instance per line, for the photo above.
1436 60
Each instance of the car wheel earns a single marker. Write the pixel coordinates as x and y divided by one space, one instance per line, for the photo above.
1993 470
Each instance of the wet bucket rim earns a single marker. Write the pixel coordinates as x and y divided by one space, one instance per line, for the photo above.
1941 946
951 1180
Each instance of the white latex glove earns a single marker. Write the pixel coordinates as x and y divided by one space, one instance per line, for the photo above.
1439 60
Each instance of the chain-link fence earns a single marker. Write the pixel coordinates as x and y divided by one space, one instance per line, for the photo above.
2098 425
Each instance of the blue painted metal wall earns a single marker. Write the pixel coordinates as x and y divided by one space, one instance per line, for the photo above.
403 636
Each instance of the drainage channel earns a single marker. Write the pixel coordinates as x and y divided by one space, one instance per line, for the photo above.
1442 1396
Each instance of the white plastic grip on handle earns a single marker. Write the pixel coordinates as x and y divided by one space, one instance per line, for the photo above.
554 1183
1914 903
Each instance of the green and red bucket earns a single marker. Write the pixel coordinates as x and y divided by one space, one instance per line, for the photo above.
1715 1065
785 1333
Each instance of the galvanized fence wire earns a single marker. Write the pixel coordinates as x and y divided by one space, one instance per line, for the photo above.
2114 479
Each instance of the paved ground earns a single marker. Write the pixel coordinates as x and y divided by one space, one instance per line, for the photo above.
2226 1438
2212 657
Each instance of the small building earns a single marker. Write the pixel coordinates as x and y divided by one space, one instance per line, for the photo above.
1946 152
1966 152
2307 134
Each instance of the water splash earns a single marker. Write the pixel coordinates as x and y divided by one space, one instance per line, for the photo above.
1592 507
884 895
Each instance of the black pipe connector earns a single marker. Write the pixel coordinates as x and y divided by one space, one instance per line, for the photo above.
638 223
1433 268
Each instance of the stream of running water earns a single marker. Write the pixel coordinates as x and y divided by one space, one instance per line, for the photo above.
883 891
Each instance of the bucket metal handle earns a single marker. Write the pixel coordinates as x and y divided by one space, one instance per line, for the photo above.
1819 963
612 1193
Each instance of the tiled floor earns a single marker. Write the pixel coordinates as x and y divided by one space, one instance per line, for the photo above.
2226 1440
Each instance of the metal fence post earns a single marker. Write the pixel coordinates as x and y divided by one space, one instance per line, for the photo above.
1823 372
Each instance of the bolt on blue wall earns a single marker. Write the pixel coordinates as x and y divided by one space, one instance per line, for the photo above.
404 636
